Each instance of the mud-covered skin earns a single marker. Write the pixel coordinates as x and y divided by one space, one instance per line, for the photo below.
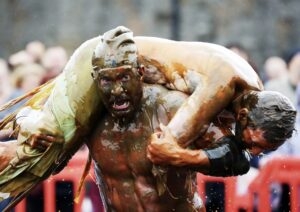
213 76
119 151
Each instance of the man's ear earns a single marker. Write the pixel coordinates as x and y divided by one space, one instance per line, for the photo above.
141 70
242 116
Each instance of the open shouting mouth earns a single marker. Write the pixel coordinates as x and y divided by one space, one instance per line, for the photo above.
121 105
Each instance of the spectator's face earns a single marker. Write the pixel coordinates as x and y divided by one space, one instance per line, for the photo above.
54 60
275 67
255 141
36 49
294 68
30 82
120 90
4 76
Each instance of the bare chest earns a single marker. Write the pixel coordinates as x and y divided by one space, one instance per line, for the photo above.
122 150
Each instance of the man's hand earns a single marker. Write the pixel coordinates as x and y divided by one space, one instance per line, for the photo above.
228 159
38 128
7 153
42 142
163 149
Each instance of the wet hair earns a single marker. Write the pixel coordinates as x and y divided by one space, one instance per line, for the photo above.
115 49
272 112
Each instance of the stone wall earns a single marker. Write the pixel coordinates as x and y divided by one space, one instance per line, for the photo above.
264 27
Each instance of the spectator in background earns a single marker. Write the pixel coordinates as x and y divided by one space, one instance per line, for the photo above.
29 76
20 58
298 102
23 79
54 61
36 49
26 76
274 68
239 49
7 90
287 85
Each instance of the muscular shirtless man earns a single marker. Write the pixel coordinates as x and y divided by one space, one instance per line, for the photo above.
135 110
118 147
119 142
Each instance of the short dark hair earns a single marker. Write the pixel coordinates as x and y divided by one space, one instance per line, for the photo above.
272 112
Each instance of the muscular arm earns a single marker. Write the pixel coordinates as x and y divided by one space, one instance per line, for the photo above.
170 153
226 158
221 154
194 116
212 75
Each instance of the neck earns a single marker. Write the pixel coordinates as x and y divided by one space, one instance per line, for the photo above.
125 121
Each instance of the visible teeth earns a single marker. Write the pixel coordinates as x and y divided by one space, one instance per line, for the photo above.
122 106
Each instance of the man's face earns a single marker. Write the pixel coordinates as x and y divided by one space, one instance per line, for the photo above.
120 90
255 142
294 68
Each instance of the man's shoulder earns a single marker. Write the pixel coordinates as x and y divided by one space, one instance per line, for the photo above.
158 95
152 92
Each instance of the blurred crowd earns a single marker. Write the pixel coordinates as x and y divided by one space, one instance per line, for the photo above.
21 72
29 68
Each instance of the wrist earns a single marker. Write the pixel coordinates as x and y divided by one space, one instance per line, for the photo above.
196 158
